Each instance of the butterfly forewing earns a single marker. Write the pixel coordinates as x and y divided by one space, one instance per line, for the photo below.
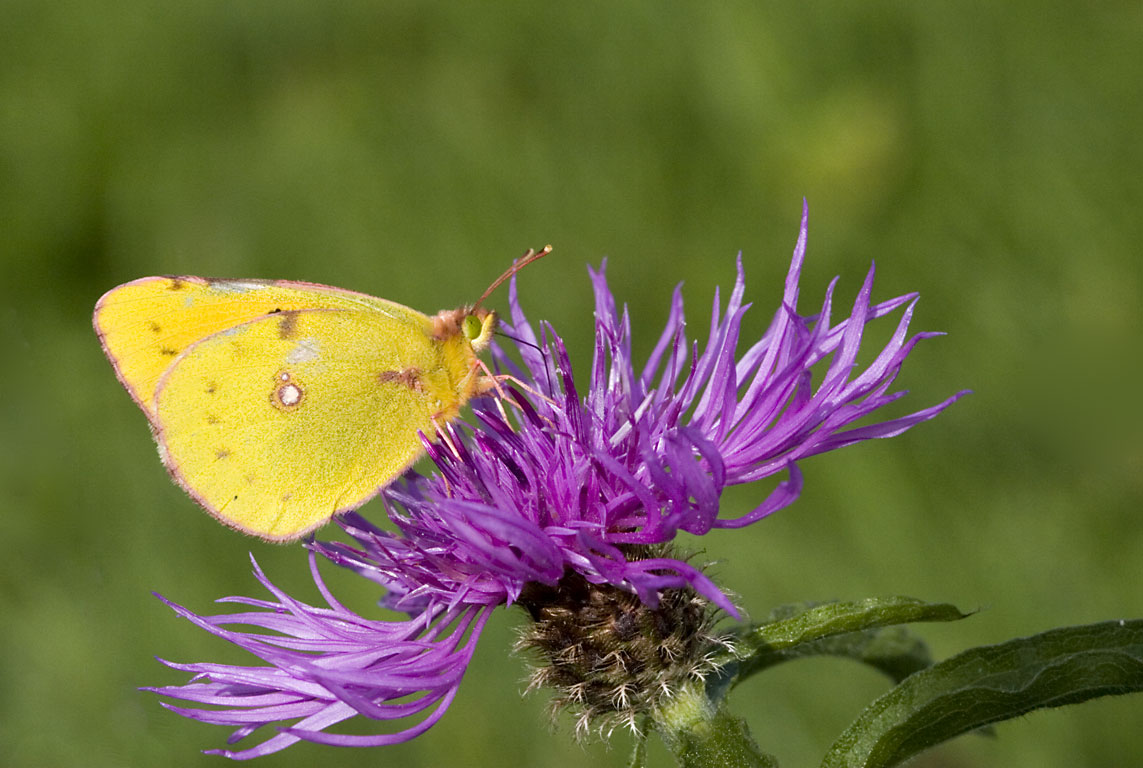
146 324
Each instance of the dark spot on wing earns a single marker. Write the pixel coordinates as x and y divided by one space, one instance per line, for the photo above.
176 284
155 327
222 453
288 325
410 377
168 352
211 387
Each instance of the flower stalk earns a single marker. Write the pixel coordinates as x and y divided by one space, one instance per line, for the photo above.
703 734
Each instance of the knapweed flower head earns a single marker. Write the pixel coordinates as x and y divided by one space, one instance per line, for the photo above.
567 505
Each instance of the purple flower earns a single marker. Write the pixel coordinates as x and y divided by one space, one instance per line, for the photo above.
562 501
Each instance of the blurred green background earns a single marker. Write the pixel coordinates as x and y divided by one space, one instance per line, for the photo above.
986 155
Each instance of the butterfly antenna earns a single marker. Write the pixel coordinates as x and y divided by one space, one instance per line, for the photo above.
528 257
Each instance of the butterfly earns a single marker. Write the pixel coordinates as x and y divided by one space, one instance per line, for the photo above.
278 404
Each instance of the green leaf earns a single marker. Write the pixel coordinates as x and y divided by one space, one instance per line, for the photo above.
855 630
993 683
895 651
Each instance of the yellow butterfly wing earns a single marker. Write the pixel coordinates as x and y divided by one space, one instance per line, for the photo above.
276 424
146 324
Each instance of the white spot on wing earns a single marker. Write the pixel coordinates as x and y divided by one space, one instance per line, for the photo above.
305 351
235 286
289 395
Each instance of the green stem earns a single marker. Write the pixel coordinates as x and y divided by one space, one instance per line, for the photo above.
703 735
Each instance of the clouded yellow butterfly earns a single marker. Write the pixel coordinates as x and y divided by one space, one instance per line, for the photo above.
278 404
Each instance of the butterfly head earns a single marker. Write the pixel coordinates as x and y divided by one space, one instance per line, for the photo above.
474 324
478 326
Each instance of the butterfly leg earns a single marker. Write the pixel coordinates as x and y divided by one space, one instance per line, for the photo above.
445 437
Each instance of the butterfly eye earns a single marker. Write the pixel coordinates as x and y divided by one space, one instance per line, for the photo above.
472 327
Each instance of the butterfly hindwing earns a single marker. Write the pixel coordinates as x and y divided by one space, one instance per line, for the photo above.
277 423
